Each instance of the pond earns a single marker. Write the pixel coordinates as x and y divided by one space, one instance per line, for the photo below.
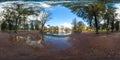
57 43
63 15
52 42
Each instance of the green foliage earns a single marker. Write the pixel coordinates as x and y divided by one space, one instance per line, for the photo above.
32 25
89 13
53 29
3 26
94 13
117 26
78 26
67 30
16 15
110 17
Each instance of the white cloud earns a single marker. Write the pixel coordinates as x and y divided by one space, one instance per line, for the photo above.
32 17
1 9
66 24
45 5
118 10
28 4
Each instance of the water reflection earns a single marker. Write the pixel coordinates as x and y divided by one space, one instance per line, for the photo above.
33 43
52 42
57 43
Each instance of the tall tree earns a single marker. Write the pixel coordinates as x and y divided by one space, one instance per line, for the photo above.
117 26
110 17
37 24
113 18
106 18
44 16
89 12
19 13
77 26
74 26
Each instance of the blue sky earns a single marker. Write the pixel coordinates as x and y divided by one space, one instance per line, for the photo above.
61 16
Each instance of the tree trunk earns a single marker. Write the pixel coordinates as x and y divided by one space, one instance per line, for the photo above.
112 26
117 26
10 26
107 25
42 35
24 25
16 27
42 32
96 25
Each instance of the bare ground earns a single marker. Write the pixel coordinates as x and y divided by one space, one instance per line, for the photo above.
84 46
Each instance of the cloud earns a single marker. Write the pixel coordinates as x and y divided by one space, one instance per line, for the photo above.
118 10
27 3
32 17
45 5
66 24
1 9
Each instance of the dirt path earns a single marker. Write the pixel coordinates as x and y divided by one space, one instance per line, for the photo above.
97 46
84 46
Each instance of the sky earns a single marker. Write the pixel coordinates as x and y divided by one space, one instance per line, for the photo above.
118 10
63 16
60 15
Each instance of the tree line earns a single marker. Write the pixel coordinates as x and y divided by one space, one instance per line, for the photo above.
15 17
95 13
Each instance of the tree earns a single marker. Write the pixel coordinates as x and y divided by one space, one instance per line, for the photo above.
90 12
110 16
106 17
74 26
113 18
117 26
17 14
26 27
77 26
37 24
3 26
32 25
8 15
67 30
53 29
43 16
